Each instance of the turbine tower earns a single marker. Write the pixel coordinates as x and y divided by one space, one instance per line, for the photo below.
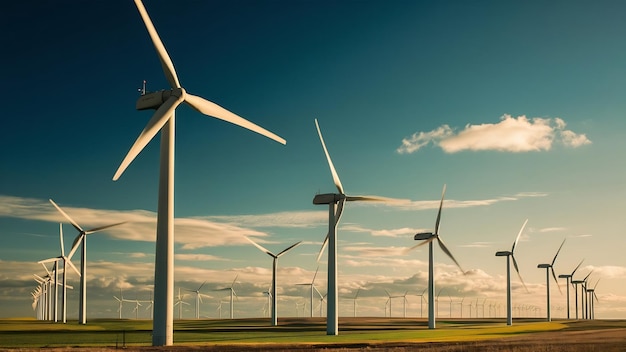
274 267
429 237
549 267
198 298
567 278
165 102
81 240
233 294
582 296
335 203
509 255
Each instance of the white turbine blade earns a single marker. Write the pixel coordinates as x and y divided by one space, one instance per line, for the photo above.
330 162
577 266
357 293
166 62
388 294
376 199
66 216
448 253
518 273
119 300
55 259
75 245
98 229
315 275
419 244
68 261
233 284
287 249
324 244
443 193
518 236
211 109
318 292
160 117
263 249
557 252
61 239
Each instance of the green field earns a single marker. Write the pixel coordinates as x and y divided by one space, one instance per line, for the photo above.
25 333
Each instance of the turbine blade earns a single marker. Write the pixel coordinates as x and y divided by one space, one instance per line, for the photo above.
160 117
61 239
166 62
443 193
211 109
287 249
202 285
263 249
49 260
448 253
518 236
557 252
377 199
555 279
357 293
313 281
324 244
518 273
594 286
97 229
71 265
418 245
233 285
330 162
577 266
75 245
78 228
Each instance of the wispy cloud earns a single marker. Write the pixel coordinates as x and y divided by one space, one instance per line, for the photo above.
511 134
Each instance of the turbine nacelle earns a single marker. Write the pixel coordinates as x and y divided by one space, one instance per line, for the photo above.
153 100
544 266
564 276
503 253
424 236
328 198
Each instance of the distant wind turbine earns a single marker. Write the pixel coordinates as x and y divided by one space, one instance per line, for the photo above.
509 255
335 203
198 298
81 240
121 301
429 238
549 267
567 278
274 267
592 295
582 294
179 303
233 294
165 102
312 288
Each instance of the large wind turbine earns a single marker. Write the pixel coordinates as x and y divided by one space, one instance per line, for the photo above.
549 267
567 278
165 103
429 237
509 255
81 240
335 203
66 260
198 299
274 267
582 295
312 285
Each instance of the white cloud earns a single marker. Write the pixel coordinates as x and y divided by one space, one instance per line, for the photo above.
511 134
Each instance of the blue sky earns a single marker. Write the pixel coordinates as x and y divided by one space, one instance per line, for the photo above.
517 107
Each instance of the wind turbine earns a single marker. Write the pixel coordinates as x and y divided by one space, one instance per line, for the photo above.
549 267
335 203
592 306
429 237
121 300
312 285
198 299
567 278
179 303
509 255
66 260
354 300
582 295
234 294
165 102
422 302
81 239
274 267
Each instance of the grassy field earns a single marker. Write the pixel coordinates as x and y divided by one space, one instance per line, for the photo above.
310 333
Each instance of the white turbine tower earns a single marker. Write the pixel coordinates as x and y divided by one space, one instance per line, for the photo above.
335 203
567 278
165 103
549 267
66 260
274 267
429 237
509 255
81 240
312 285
